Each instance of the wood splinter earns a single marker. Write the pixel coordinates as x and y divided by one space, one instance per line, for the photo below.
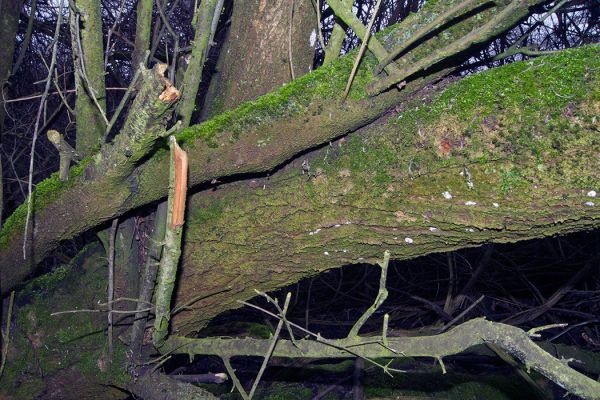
181 167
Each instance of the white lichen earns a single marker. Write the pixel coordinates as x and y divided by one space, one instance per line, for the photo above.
470 203
589 203
408 240
313 38
447 195
591 193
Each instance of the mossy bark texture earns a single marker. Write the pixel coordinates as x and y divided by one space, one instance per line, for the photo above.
403 184
88 58
257 136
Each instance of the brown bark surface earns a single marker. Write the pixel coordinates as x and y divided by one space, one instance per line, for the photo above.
255 57
256 137
402 184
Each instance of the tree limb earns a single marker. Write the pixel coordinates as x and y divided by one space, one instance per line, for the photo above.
477 331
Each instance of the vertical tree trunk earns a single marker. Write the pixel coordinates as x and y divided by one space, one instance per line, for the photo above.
205 16
255 57
9 21
143 28
88 57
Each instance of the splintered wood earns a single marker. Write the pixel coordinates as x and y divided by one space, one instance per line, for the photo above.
181 168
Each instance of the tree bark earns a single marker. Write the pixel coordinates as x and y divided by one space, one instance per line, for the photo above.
256 137
143 28
255 57
88 58
400 184
9 21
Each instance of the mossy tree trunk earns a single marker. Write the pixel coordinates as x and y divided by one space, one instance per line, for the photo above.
400 184
256 137
143 29
523 136
88 58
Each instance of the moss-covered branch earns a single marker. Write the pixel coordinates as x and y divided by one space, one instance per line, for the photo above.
478 331
343 10
145 125
257 136
501 19
525 133
205 14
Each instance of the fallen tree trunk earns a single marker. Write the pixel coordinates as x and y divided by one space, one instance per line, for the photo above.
256 137
524 137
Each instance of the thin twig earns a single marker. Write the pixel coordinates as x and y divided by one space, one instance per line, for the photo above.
516 48
112 29
290 28
234 378
25 43
281 312
97 311
462 314
361 52
214 25
381 296
175 39
126 299
37 125
271 345
199 297
320 35
37 96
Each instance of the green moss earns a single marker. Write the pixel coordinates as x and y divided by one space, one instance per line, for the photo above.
55 345
490 116
511 178
545 82
45 193
326 83
202 215
259 331
39 286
